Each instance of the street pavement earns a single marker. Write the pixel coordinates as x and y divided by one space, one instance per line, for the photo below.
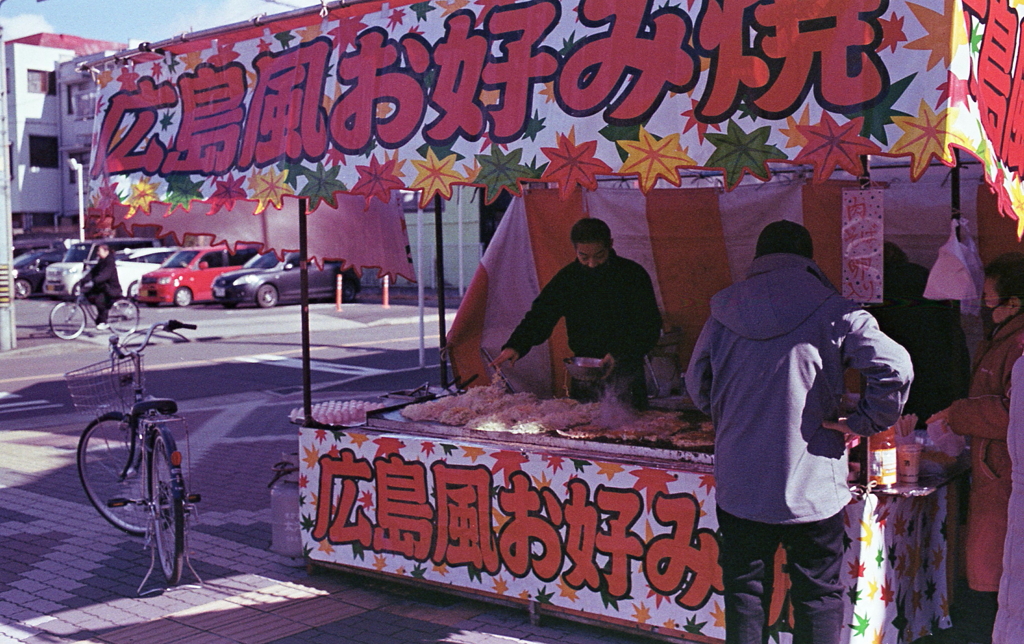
68 576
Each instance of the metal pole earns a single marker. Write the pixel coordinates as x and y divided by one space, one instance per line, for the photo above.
954 185
462 279
307 379
419 286
439 244
77 167
8 327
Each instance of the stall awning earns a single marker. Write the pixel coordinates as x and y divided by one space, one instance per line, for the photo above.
372 97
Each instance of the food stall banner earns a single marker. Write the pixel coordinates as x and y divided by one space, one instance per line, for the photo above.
862 245
632 543
371 97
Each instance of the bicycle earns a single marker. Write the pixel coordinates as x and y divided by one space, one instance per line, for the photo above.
128 460
68 319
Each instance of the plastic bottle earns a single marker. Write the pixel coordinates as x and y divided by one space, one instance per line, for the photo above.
882 458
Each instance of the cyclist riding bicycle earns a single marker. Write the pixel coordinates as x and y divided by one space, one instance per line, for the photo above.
105 285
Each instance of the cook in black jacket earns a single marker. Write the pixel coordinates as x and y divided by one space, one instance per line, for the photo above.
609 307
105 285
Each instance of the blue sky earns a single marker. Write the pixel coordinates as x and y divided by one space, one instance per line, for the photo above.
127 20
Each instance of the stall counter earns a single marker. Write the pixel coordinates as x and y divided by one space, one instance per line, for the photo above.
596 532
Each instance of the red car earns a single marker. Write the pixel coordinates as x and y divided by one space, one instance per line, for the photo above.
187 276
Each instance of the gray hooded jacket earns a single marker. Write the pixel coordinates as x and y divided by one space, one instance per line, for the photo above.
768 366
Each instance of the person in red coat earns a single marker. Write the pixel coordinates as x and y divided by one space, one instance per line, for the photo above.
984 416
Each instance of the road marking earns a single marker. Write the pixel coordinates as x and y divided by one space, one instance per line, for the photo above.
22 405
315 365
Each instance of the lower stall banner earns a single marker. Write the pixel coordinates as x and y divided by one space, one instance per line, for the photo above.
632 545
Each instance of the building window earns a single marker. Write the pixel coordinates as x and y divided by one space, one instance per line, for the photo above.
81 101
42 151
83 159
40 82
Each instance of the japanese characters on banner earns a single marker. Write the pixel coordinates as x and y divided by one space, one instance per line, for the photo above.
428 95
633 544
862 245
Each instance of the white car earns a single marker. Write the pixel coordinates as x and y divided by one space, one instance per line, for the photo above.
133 263
62 276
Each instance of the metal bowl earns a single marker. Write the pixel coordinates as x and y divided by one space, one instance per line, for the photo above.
586 369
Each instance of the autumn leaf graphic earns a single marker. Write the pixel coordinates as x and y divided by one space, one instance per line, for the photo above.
738 152
654 159
573 165
269 188
830 144
435 176
377 180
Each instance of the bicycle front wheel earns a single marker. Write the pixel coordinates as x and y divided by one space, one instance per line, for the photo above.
123 317
67 320
167 495
108 465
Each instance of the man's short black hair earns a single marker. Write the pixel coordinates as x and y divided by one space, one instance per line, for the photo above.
591 230
1007 271
784 237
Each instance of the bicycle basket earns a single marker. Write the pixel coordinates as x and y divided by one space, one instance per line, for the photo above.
104 386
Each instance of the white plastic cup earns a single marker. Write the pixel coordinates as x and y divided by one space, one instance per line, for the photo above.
908 462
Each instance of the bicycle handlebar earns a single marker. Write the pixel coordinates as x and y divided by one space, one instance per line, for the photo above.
170 325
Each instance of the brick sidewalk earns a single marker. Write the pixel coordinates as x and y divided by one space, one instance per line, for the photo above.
68 576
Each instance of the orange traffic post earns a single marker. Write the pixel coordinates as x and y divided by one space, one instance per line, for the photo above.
387 289
337 292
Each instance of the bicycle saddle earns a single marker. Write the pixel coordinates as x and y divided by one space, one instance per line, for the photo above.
163 406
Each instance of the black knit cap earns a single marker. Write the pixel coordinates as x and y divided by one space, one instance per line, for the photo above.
784 237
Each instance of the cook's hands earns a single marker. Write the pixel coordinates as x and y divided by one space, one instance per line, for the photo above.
939 416
508 355
607 365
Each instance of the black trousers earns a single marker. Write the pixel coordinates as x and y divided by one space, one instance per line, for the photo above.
814 553
102 301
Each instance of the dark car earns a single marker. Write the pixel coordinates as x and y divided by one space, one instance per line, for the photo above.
266 281
30 271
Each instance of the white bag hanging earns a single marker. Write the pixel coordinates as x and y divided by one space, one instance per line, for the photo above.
957 273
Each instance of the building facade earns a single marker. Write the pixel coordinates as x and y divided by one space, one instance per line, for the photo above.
50 107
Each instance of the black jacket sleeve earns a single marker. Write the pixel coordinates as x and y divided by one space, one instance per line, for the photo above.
540 320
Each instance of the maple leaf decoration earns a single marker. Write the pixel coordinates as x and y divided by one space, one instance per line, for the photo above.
143 194
892 32
227 192
938 39
377 180
652 159
830 144
128 79
925 136
702 128
225 54
346 32
794 139
321 185
573 165
181 190
738 152
269 188
500 171
435 176
953 90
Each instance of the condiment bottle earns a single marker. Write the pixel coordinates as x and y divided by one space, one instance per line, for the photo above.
882 458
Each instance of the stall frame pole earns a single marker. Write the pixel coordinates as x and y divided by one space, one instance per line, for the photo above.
307 380
420 295
439 244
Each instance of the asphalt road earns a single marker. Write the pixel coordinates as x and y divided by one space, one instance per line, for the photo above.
248 355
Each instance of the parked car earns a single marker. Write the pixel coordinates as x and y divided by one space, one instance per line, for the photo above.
62 276
187 276
30 271
266 282
133 263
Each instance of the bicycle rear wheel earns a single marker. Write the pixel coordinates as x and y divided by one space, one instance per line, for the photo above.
108 466
67 320
167 494
123 317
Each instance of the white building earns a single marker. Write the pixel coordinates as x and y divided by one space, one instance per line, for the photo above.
48 122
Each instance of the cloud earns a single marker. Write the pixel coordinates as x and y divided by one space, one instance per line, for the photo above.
223 13
26 24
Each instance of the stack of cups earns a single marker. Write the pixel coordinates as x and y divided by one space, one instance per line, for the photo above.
908 462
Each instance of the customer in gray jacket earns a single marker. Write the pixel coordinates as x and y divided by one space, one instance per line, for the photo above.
768 366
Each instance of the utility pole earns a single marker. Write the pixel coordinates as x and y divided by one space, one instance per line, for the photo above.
8 330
